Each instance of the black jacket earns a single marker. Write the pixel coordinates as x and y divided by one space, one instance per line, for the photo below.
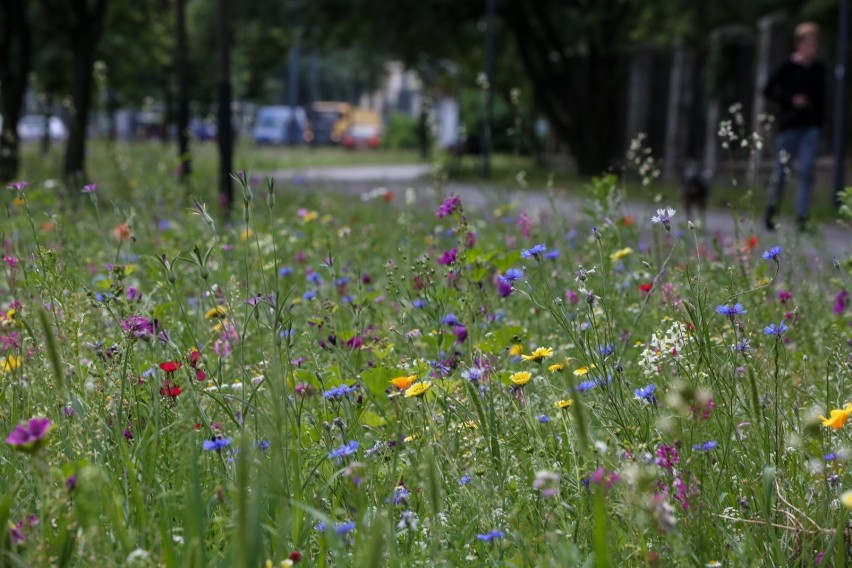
791 79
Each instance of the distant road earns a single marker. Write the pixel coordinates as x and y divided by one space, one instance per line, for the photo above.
828 241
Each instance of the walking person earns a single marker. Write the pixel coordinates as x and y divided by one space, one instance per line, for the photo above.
798 87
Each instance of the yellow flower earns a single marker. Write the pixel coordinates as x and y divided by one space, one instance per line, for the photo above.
563 403
9 364
403 383
538 354
838 417
846 499
619 254
418 390
521 378
310 216
583 370
217 312
246 235
410 438
556 367
516 349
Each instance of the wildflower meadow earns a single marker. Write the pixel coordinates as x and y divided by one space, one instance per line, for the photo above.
391 379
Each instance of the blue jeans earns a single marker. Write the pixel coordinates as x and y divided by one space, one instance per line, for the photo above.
801 144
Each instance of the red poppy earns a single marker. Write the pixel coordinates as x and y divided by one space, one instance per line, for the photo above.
171 366
646 288
168 389
295 556
194 357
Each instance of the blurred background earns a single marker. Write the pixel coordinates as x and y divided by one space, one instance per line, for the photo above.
562 86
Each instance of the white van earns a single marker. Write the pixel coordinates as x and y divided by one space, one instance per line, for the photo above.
280 125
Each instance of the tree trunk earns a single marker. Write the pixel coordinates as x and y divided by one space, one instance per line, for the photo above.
84 33
182 92
15 44
225 134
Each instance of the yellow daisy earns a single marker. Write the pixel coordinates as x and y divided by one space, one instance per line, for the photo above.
619 254
418 390
217 312
563 403
9 364
521 378
846 499
583 370
556 367
516 349
403 383
838 417
538 354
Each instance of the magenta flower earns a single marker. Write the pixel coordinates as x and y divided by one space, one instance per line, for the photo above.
841 300
449 205
29 437
18 185
90 188
139 327
449 257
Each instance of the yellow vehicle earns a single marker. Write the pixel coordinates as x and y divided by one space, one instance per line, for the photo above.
327 122
365 129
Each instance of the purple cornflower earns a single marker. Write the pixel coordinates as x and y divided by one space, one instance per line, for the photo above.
90 188
664 218
460 332
706 446
29 437
343 451
139 327
772 254
340 391
504 288
215 444
646 394
491 536
448 257
731 311
841 300
776 330
18 185
534 252
448 206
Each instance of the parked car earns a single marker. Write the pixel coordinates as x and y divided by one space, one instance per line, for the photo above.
328 121
365 130
280 125
31 127
202 129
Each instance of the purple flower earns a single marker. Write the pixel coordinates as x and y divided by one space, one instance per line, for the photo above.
772 254
552 254
448 206
841 300
344 451
586 385
29 437
534 252
340 391
133 294
776 330
448 257
512 275
731 311
90 188
18 185
450 319
285 271
504 288
216 444
491 536
139 327
465 479
543 419
460 332
419 303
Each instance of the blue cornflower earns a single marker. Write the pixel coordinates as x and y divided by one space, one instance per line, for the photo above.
285 271
552 254
419 304
490 536
473 374
830 457
776 330
342 281
216 444
319 527
339 391
606 349
706 446
346 299
450 319
512 275
731 311
263 445
586 385
465 479
646 393
314 278
345 450
743 346
343 528
544 418
309 295
534 252
772 254
400 495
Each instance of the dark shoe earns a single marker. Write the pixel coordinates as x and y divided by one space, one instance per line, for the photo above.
770 219
802 224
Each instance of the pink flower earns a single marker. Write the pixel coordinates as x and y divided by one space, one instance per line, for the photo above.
841 300
11 261
449 257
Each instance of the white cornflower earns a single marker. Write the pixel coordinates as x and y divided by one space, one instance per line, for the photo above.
664 218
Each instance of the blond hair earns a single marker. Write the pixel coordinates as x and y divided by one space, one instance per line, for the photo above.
804 29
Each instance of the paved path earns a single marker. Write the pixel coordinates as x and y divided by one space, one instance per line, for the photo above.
828 241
